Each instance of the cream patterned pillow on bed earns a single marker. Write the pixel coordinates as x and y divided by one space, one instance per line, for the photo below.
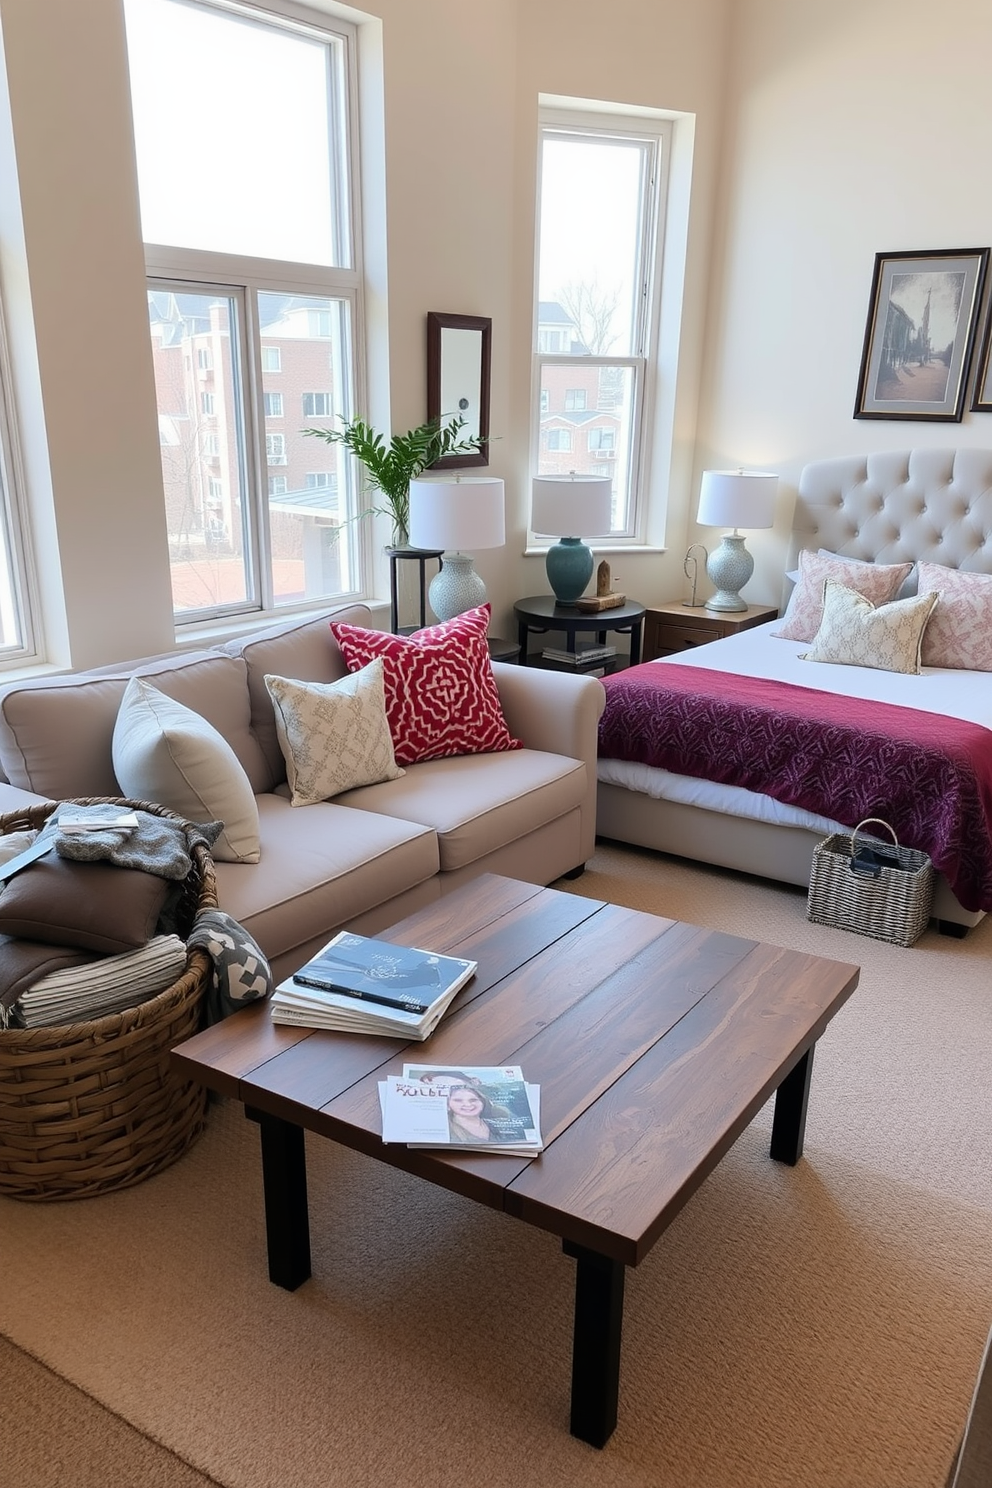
854 633
878 582
334 735
960 633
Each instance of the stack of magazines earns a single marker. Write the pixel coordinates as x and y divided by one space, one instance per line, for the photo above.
480 1108
360 984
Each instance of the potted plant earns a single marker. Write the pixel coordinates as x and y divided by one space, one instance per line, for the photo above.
389 468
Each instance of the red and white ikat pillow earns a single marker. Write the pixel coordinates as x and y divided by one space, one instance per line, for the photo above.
441 696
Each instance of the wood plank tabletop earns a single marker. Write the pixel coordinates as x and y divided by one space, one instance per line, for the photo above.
654 1043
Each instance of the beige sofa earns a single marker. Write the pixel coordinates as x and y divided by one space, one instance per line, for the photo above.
369 856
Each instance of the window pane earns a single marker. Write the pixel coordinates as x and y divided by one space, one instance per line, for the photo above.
233 120
590 236
596 439
312 547
202 447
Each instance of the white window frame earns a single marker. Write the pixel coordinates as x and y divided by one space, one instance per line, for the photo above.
22 593
208 404
275 449
657 135
243 278
273 404
278 485
271 358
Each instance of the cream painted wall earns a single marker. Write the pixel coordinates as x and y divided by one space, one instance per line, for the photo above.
459 114
854 128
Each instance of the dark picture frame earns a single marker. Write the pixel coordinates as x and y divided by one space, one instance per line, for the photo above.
459 376
920 335
981 401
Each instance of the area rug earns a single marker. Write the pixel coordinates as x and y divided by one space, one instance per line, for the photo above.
821 1325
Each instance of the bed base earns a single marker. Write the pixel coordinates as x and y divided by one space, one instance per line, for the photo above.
783 854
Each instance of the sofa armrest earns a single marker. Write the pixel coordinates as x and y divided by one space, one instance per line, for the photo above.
552 710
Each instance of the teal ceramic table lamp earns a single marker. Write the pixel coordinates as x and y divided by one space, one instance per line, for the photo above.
450 514
734 498
582 506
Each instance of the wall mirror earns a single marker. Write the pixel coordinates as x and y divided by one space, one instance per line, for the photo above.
458 378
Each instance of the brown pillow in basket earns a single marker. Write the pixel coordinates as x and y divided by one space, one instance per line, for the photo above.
93 906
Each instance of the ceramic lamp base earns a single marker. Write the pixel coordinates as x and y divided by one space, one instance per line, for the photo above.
569 566
728 570
456 587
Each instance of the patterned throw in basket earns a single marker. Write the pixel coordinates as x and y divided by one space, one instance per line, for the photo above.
86 1108
870 886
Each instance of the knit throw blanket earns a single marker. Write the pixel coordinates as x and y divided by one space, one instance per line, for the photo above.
928 776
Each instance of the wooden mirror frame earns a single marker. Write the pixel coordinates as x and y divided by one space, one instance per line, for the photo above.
437 324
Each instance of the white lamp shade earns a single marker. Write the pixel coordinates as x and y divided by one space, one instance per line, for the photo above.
457 513
737 498
572 505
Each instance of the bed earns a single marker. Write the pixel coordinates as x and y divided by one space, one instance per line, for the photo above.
931 506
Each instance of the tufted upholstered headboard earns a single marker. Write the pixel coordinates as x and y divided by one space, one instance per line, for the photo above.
898 507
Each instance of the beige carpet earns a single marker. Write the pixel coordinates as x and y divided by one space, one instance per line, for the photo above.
818 1326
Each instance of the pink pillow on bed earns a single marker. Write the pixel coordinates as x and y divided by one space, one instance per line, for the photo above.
960 631
876 581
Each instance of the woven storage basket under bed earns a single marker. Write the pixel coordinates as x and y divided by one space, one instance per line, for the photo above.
90 1107
894 905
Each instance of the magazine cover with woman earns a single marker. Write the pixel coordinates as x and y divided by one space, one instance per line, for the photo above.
486 1108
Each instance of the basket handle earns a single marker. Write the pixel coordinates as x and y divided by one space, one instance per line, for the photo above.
878 822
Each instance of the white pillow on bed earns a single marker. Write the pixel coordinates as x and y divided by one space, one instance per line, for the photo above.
960 633
876 581
853 632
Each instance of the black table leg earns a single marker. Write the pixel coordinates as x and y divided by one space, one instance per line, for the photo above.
284 1184
789 1121
595 1344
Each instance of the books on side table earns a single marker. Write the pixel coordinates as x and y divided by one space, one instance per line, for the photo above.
581 656
477 1108
362 984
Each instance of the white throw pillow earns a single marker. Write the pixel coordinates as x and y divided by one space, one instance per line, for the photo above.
166 753
854 633
334 735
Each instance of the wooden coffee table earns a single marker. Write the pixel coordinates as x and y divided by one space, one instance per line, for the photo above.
654 1044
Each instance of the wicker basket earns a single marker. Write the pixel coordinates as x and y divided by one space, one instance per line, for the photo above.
891 901
90 1107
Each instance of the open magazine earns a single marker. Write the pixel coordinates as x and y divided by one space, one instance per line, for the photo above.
480 1108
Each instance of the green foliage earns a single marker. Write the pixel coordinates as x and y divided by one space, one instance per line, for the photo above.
389 468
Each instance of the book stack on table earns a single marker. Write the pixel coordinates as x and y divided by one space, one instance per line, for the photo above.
477 1108
361 984
591 661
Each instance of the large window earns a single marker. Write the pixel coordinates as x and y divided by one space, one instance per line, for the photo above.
253 294
600 211
17 642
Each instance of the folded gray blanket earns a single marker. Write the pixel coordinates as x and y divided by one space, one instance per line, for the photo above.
157 845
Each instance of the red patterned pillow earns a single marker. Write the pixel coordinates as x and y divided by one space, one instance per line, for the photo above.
441 695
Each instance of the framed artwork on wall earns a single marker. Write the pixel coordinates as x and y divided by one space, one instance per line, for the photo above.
981 401
922 319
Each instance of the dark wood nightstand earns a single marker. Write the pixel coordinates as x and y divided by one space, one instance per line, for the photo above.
675 627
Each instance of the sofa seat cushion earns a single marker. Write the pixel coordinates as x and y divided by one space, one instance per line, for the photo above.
321 866
477 803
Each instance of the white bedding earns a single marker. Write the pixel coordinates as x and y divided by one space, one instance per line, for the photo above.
757 653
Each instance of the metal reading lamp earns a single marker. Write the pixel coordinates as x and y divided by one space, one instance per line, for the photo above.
734 498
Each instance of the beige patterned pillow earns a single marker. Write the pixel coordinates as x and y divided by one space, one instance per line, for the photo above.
960 633
878 582
334 735
854 633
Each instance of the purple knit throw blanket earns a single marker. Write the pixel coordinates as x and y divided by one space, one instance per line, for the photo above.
928 776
